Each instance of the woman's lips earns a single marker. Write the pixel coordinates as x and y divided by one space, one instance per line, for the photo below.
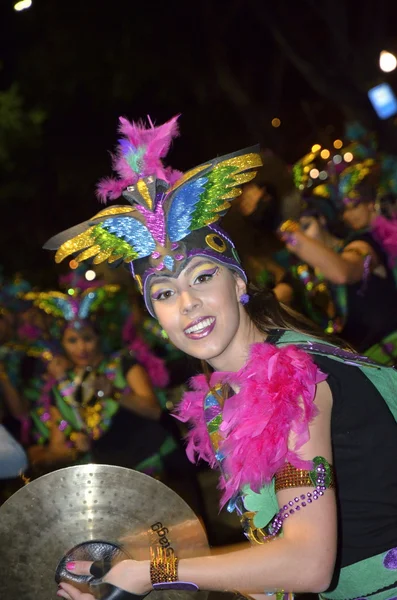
200 328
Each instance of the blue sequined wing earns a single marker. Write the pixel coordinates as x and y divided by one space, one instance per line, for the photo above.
203 194
117 233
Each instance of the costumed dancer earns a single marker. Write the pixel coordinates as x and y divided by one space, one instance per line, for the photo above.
346 286
299 428
95 407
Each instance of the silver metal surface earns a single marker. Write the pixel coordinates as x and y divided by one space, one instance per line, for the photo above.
49 516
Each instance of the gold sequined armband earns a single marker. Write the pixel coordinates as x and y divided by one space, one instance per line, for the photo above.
291 477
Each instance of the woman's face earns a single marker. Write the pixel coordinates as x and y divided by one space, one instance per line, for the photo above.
312 227
359 216
81 346
199 310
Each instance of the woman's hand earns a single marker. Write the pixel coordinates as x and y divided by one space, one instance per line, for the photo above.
82 442
58 367
129 575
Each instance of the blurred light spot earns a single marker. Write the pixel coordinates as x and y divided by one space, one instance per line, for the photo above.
314 173
276 122
338 144
71 291
90 275
387 61
22 5
325 153
323 175
348 157
316 148
73 264
337 159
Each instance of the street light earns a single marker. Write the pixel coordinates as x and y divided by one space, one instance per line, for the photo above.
22 5
387 61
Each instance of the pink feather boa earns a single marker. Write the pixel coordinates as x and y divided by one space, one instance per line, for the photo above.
385 232
276 398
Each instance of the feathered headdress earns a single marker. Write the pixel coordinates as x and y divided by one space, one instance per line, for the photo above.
171 217
359 182
12 295
319 193
75 309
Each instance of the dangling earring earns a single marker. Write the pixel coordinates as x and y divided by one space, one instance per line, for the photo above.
244 299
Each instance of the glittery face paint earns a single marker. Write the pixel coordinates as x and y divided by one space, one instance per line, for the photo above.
199 309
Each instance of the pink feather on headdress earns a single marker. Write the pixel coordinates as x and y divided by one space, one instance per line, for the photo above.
139 154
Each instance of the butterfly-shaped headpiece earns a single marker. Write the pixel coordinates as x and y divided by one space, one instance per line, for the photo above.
170 216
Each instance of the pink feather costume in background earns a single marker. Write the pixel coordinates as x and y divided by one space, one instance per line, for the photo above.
385 233
277 388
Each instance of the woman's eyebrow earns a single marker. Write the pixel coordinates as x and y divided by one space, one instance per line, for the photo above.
199 264
160 280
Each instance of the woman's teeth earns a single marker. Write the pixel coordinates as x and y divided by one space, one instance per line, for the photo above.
200 326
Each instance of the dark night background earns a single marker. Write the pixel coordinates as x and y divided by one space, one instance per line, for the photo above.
69 68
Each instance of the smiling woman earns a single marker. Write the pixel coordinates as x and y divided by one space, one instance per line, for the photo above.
200 310
280 409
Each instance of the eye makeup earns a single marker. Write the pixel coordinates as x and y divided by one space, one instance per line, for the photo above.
205 269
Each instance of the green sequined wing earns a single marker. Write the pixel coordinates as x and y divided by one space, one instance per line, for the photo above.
201 196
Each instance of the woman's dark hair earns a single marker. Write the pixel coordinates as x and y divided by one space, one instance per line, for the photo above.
267 313
317 207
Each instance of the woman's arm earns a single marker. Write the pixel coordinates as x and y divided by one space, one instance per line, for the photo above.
57 450
303 559
345 268
300 561
141 398
16 405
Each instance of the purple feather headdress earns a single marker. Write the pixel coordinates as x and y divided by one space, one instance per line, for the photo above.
139 154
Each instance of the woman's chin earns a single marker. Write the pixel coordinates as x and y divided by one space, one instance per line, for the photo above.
204 351
82 362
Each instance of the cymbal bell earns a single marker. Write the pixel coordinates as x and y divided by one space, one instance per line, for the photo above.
43 521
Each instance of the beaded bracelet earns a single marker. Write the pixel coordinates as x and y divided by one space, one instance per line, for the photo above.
322 480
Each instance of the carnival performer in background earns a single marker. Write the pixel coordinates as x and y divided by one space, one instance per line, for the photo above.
282 414
96 407
346 286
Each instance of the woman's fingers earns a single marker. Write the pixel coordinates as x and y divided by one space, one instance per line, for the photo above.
63 594
80 567
71 593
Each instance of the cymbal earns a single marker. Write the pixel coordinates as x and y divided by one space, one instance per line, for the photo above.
43 521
